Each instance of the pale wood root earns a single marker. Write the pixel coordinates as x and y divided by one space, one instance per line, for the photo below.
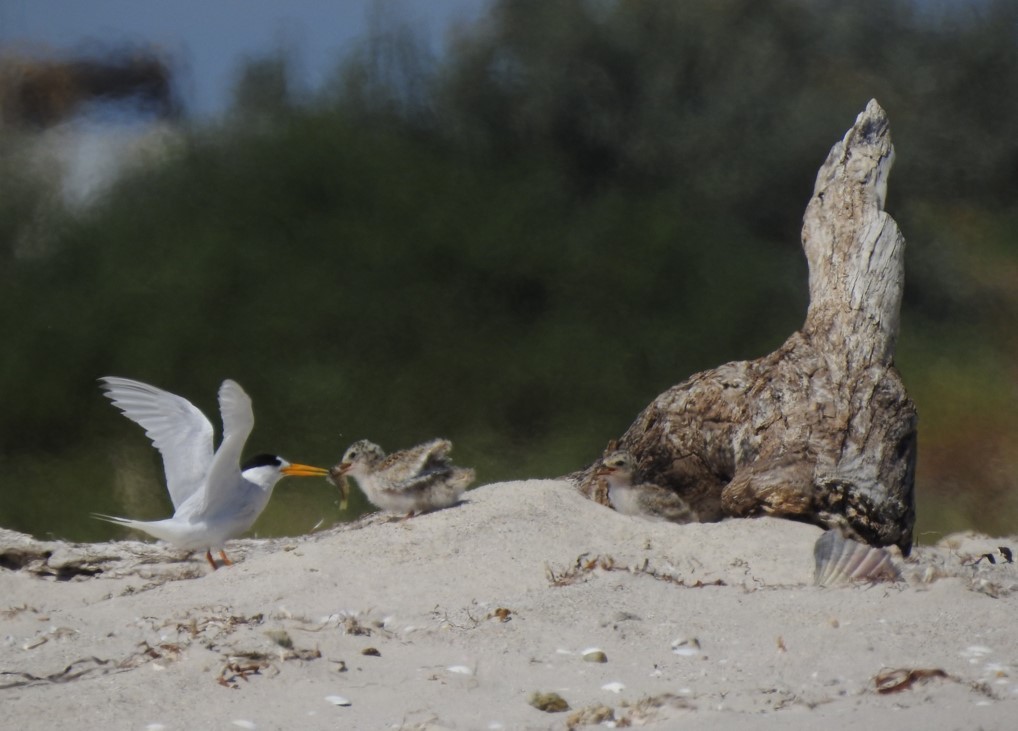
822 429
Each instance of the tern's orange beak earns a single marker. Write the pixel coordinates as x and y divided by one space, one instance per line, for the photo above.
604 470
303 470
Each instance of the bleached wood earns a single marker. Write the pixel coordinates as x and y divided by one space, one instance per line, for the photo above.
822 429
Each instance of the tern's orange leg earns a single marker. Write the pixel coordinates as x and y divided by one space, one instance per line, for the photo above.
208 556
226 561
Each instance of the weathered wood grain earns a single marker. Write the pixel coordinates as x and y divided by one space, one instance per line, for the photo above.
822 429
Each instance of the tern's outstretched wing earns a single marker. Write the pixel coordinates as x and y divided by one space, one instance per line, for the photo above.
224 474
176 427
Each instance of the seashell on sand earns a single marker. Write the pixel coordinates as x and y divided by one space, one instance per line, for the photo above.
841 560
548 702
686 647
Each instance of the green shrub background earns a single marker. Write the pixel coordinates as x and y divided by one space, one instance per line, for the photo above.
518 244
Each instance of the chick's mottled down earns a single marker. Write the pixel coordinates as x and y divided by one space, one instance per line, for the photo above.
416 480
618 470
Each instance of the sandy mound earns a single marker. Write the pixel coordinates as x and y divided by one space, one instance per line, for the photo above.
456 619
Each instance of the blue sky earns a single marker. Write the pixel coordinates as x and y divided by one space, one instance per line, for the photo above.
209 39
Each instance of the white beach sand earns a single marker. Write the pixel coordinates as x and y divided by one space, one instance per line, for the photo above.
703 626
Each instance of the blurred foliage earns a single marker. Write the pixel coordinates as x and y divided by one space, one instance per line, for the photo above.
517 246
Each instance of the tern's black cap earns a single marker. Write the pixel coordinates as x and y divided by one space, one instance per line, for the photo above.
261 460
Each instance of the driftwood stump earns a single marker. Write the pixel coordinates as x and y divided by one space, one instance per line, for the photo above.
821 430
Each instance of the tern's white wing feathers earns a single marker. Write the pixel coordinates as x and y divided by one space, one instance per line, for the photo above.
224 474
176 427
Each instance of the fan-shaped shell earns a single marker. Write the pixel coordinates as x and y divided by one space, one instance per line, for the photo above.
841 560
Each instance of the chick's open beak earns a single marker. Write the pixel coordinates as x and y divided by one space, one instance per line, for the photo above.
604 470
303 470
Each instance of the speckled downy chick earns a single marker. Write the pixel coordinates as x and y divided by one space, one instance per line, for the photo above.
618 470
416 480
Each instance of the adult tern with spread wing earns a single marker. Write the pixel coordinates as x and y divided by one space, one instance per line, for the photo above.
214 497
